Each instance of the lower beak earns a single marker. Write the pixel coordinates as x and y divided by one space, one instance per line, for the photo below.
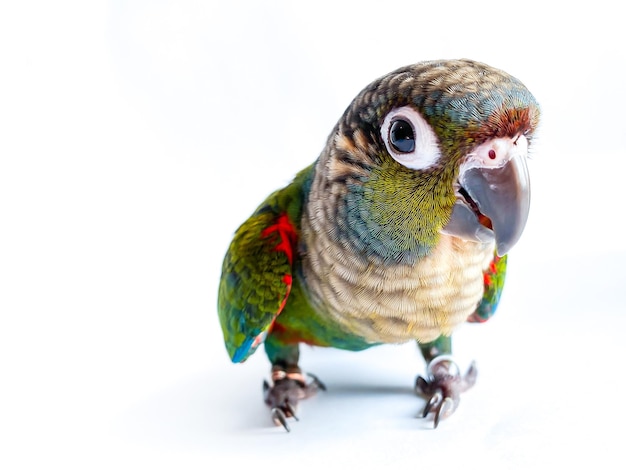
494 204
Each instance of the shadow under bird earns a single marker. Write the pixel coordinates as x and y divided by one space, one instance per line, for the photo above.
397 232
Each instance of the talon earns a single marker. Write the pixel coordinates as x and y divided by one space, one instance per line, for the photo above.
444 408
470 376
279 418
317 381
434 400
421 386
292 411
444 386
436 420
287 389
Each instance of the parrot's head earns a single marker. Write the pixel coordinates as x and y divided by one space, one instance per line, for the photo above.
436 147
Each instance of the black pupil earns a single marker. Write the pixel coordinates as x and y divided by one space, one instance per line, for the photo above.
401 136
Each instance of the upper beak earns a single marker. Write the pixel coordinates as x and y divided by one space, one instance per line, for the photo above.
495 204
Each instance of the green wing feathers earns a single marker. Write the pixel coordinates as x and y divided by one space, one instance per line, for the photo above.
256 281
257 270
494 283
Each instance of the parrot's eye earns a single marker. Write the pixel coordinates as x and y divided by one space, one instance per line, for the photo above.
409 138
401 136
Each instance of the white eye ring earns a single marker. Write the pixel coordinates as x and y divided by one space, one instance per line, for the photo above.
425 151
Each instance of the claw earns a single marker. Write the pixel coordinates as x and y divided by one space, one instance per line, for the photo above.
432 403
443 387
443 409
279 418
284 394
317 382
292 411
470 376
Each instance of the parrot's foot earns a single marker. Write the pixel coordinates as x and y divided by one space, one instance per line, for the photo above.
444 386
289 387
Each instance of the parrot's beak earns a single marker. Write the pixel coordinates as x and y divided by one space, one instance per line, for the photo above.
493 203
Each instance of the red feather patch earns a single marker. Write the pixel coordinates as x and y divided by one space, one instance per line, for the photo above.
286 234
286 240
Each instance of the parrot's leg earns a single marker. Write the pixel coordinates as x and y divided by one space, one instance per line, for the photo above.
289 384
444 384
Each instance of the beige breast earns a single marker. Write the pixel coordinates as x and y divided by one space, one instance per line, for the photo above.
398 303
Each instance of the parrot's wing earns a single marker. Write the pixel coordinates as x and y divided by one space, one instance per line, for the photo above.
494 283
256 281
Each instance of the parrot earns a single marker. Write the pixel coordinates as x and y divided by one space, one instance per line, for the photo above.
398 232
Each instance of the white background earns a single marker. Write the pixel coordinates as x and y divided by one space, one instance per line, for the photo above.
136 136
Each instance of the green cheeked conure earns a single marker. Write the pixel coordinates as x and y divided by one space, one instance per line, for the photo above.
397 232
